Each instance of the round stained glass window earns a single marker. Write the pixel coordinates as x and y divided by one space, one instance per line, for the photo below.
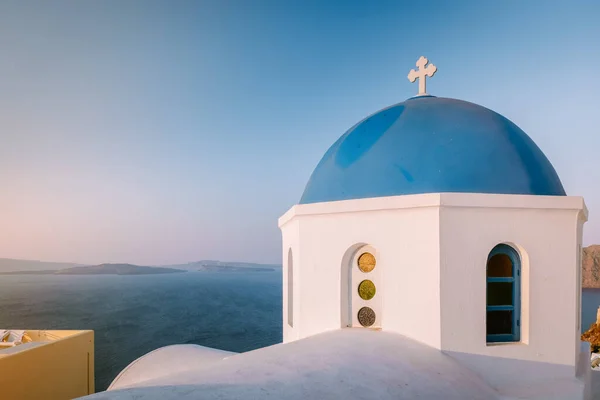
366 290
366 262
366 316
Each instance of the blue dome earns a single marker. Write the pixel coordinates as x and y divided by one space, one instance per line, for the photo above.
431 144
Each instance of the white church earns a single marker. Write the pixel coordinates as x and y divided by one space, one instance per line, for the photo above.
434 255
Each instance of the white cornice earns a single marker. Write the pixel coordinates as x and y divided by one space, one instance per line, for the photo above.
470 200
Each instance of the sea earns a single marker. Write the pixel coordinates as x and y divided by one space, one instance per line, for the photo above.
133 315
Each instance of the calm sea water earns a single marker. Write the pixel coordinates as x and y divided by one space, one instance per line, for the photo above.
132 315
590 302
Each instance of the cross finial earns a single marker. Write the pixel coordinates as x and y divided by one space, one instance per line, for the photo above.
422 73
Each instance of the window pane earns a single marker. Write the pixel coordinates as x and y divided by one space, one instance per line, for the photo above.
366 262
366 290
499 322
500 293
500 265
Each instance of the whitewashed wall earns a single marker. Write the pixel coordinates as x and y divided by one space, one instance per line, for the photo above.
545 232
291 241
404 232
422 238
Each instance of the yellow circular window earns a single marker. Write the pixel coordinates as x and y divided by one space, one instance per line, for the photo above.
366 290
366 262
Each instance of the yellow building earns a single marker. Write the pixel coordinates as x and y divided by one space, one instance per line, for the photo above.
49 365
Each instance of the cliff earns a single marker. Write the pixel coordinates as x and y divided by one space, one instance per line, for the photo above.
591 266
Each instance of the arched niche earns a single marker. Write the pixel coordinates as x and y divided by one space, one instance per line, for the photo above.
361 285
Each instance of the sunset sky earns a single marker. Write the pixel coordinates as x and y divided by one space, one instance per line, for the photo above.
164 132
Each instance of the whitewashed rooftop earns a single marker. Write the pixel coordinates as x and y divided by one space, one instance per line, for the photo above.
344 364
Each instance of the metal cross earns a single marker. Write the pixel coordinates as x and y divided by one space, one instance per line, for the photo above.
422 73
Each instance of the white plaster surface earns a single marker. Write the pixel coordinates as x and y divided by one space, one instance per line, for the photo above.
291 241
406 242
352 363
166 361
431 257
548 244
345 364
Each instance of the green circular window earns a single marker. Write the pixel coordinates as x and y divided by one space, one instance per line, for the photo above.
366 290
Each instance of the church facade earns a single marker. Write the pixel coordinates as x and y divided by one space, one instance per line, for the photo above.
444 265
434 254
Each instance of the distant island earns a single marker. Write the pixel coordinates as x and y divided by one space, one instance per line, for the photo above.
232 268
102 269
117 269
12 265
225 266
590 268
29 267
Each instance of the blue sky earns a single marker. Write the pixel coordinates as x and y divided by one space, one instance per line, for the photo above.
162 132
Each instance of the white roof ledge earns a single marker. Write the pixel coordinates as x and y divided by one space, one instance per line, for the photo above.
472 200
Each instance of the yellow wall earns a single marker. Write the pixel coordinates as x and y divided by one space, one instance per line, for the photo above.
59 370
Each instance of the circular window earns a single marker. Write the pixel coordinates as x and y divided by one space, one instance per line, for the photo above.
366 290
366 316
366 262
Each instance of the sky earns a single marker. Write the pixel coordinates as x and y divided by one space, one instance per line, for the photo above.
161 132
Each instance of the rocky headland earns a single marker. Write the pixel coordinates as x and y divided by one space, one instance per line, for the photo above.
591 267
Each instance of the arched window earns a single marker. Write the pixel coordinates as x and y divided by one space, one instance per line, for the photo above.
503 316
290 289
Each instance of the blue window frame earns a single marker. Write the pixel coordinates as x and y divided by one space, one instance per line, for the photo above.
503 295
